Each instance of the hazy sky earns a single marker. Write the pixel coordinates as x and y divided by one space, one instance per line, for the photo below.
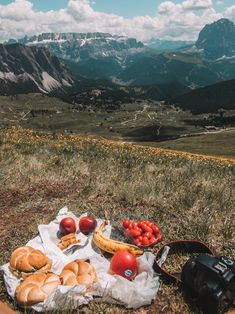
143 19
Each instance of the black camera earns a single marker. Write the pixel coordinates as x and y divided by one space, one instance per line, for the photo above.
211 282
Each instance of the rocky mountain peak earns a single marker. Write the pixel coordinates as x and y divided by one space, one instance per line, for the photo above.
217 39
31 69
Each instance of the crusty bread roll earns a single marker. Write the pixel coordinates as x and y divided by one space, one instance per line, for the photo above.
78 272
36 288
26 261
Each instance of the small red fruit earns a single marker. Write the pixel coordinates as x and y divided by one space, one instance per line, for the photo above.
126 223
134 224
148 235
87 224
146 228
137 242
124 264
145 241
67 225
155 229
134 233
152 240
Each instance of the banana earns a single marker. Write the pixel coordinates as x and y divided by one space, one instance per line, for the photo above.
112 246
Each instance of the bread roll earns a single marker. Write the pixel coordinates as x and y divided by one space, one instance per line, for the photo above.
36 288
78 272
26 261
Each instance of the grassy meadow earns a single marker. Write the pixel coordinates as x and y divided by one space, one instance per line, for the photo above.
189 196
151 123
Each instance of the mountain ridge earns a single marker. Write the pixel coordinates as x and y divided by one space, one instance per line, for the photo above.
31 69
217 40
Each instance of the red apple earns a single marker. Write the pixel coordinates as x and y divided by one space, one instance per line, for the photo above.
87 224
67 225
124 264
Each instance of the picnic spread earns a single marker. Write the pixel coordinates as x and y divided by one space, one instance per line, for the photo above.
77 260
65 268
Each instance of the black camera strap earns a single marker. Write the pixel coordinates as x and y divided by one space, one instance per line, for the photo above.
182 246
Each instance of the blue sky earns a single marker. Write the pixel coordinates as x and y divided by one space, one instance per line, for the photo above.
141 19
126 8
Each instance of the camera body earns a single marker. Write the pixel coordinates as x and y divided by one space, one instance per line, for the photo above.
211 281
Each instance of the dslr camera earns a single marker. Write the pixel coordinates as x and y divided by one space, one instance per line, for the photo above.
211 282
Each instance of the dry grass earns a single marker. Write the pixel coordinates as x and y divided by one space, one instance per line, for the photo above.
188 196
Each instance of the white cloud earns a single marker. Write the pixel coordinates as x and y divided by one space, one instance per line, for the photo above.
230 12
196 4
171 21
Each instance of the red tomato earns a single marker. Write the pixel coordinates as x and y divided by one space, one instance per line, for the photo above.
134 233
146 228
130 226
140 238
152 240
145 241
134 224
124 264
67 225
138 229
148 235
151 225
155 229
127 233
126 223
137 242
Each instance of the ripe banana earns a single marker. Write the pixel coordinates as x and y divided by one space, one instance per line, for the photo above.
112 246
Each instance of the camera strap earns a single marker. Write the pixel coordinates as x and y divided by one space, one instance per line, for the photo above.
181 246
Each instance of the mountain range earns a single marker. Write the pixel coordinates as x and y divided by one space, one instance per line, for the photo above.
31 69
67 62
80 46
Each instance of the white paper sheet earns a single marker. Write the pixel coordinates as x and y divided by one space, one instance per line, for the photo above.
113 289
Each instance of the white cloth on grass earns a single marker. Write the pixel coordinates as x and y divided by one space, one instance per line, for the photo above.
109 288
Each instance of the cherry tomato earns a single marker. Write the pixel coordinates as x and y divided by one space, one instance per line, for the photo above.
127 233
151 224
145 241
137 228
138 242
134 224
155 229
152 240
146 228
126 223
140 238
148 235
130 226
134 233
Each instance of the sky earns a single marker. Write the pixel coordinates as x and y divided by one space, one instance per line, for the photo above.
141 19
